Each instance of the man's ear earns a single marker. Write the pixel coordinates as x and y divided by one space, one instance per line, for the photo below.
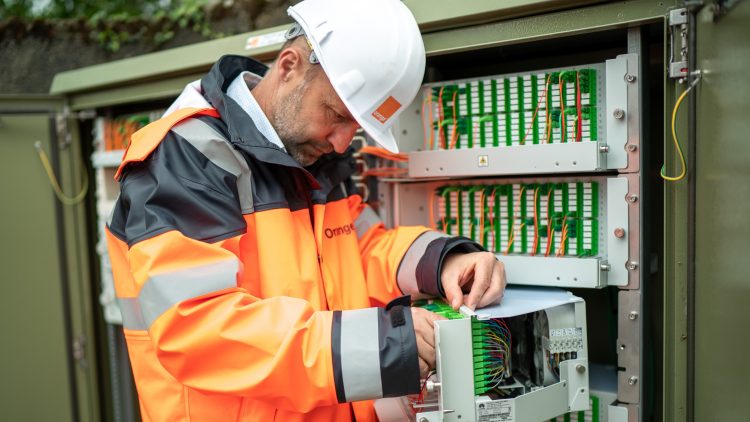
290 64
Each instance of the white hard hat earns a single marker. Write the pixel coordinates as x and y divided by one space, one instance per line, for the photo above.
373 54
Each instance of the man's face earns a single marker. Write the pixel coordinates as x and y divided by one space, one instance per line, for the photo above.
311 119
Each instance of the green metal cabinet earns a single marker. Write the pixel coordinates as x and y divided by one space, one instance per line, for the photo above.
48 364
722 206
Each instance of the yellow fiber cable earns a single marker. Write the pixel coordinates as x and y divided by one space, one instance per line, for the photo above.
67 200
674 138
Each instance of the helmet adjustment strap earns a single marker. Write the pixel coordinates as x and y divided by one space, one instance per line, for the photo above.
296 31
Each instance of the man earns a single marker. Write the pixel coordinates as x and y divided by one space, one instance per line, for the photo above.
253 282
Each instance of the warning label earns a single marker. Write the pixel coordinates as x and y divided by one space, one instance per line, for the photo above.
496 411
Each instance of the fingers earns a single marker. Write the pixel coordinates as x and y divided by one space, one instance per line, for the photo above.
425 334
424 368
494 293
450 278
453 293
483 271
426 352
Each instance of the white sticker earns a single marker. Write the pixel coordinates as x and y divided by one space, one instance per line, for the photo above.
259 41
496 411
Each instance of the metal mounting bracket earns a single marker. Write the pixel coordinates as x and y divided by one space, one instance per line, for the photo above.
678 65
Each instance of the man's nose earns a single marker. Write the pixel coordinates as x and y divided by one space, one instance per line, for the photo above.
342 136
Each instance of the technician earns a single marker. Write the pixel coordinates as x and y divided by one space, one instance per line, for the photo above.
253 282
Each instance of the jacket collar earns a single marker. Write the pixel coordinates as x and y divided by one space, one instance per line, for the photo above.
247 138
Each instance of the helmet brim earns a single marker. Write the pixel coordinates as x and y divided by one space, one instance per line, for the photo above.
385 139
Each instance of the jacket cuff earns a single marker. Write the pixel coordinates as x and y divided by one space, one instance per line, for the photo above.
430 266
406 275
374 352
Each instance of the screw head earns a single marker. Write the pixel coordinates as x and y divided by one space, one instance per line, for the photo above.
631 147
632 380
604 148
423 420
630 78
633 315
580 368
632 198
618 113
619 232
605 267
631 265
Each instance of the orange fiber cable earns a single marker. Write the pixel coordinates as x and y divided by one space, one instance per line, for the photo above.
536 223
454 132
441 115
533 118
562 110
513 220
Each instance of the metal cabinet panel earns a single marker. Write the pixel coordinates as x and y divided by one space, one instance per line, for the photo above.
722 288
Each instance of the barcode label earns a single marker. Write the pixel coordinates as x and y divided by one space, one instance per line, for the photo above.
496 411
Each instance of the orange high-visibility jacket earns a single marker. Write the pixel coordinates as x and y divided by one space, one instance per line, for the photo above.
252 288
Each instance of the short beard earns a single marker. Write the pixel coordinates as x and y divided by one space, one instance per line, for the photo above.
288 125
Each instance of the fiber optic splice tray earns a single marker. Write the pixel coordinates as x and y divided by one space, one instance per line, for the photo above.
523 360
561 120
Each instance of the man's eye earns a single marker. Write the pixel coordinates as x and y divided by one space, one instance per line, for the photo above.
337 116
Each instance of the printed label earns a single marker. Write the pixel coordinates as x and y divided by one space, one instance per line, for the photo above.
259 41
496 411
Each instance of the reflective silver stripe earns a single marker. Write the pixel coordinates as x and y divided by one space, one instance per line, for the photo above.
407 270
219 151
360 354
132 319
367 218
162 291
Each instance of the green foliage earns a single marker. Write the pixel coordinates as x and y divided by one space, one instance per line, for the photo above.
114 23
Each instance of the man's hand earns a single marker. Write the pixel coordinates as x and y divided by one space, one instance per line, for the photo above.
478 273
425 332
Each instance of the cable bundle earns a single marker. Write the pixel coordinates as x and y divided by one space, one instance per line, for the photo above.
491 343
387 171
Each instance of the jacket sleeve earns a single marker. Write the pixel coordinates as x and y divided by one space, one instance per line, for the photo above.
178 222
402 260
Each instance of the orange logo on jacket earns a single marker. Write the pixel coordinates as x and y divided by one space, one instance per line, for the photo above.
338 231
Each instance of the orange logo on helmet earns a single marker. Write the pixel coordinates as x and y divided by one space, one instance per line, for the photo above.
386 110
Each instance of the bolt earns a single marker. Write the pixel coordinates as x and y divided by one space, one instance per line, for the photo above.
605 267
619 232
632 198
632 380
633 315
603 148
424 420
630 78
618 113
631 147
631 265
580 368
